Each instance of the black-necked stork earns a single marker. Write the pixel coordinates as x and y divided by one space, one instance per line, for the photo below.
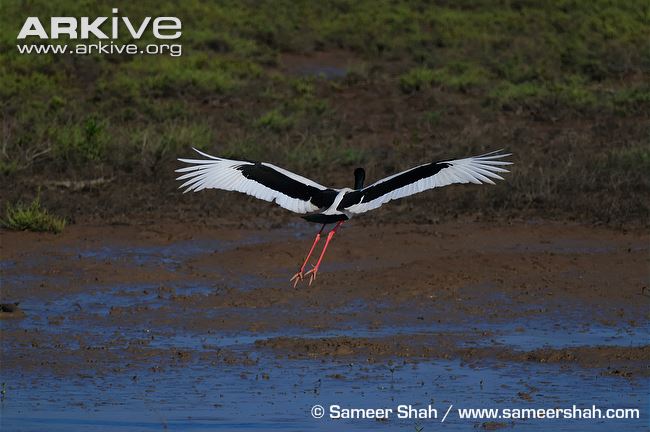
325 205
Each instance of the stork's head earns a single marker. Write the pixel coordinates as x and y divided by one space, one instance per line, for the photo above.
359 177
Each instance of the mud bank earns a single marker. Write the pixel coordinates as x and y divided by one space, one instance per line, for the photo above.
113 312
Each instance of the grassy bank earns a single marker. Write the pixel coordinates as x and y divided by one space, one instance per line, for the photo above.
316 85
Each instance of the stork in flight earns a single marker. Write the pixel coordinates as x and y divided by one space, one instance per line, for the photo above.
323 205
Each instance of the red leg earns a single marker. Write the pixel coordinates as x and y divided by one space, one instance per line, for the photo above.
312 273
299 276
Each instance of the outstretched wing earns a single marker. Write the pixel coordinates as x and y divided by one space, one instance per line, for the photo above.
477 169
259 179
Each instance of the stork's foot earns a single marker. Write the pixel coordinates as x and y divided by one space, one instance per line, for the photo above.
312 275
297 278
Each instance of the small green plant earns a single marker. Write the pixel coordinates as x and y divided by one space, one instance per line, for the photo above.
304 86
416 79
509 96
82 142
461 76
31 217
275 121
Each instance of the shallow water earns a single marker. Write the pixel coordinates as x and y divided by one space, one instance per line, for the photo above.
276 394
97 301
271 391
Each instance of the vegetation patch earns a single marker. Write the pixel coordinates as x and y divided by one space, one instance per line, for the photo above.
275 121
422 79
31 217
416 79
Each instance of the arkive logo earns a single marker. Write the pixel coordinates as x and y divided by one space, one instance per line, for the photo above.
82 28
70 35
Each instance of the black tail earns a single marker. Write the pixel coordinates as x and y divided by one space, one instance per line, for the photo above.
324 219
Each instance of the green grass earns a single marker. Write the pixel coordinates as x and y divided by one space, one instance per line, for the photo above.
461 76
31 217
562 55
82 142
632 159
434 67
275 121
416 79
320 153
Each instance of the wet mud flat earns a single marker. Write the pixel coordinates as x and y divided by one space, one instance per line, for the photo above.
179 328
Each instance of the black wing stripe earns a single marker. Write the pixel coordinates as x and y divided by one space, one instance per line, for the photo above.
404 179
284 184
350 199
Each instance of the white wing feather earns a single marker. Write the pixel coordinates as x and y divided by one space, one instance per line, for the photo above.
477 170
220 173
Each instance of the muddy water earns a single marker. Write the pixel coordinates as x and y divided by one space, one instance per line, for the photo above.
125 328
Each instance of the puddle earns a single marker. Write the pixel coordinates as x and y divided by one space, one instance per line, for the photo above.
94 302
536 335
273 395
6 265
327 72
332 65
571 247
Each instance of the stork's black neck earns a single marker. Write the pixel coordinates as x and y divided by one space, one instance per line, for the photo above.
359 177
